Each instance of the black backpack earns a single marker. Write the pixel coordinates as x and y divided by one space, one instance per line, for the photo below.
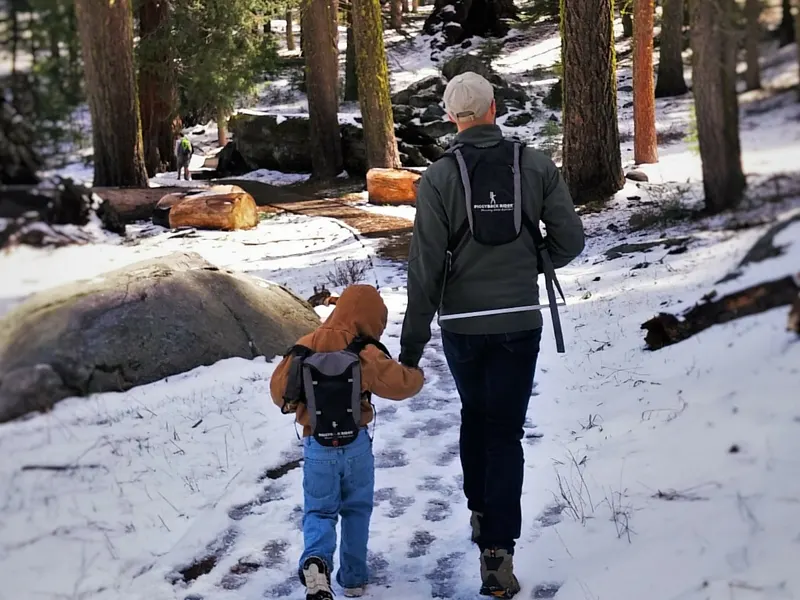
491 177
329 384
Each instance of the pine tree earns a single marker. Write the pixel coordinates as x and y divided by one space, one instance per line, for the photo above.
645 142
670 80
106 31
592 164
716 103
321 49
373 85
158 93
786 32
350 76
289 29
752 12
797 28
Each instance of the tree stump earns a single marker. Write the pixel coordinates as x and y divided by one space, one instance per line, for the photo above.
392 186
225 207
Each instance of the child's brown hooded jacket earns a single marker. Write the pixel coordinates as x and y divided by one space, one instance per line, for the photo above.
359 311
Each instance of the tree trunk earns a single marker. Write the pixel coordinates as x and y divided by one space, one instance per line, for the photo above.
222 128
158 94
373 85
396 15
752 11
592 164
320 46
289 30
414 5
797 28
350 76
14 40
645 144
626 12
671 81
786 32
716 103
106 32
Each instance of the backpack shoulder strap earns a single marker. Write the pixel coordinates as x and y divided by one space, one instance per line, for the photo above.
361 342
293 394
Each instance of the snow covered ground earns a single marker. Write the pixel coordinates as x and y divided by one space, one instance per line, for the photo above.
669 475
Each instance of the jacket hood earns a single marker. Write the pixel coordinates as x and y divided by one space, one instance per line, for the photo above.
360 310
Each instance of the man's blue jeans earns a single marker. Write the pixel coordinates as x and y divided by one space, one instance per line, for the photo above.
494 377
339 481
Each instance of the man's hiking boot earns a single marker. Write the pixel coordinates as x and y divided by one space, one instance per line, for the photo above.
475 523
497 574
317 579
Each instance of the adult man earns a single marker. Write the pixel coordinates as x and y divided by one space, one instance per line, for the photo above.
183 154
476 248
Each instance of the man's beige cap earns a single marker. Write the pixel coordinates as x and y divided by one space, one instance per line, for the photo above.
468 97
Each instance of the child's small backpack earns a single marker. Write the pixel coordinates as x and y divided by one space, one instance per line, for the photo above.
185 147
329 384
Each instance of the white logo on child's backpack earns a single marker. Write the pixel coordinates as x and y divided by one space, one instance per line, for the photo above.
492 199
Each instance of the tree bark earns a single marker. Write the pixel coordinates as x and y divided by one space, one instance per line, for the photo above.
671 81
14 40
396 14
414 5
158 94
797 29
592 164
752 11
786 32
645 143
716 103
373 85
320 46
289 30
666 329
350 75
222 129
106 32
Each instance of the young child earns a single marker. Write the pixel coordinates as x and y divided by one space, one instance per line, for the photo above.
326 380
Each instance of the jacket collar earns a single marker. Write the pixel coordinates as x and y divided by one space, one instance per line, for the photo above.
480 135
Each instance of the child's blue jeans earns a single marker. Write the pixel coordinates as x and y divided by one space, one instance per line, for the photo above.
339 481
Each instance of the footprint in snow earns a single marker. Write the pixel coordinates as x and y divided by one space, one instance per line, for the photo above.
431 427
450 453
437 510
434 483
545 590
420 544
550 516
445 576
389 459
399 504
378 568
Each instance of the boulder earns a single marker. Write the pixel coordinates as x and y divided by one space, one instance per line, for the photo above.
272 142
439 129
225 207
466 62
433 113
140 324
402 113
230 161
518 119
424 99
555 96
411 156
392 186
354 149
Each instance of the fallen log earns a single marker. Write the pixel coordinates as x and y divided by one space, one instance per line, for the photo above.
667 329
392 186
219 207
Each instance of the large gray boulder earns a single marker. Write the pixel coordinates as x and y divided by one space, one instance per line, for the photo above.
270 142
137 325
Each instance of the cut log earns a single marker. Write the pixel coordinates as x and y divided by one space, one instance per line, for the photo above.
666 329
392 186
225 207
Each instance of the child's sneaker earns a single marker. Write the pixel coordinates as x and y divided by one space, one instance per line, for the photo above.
317 579
354 592
497 574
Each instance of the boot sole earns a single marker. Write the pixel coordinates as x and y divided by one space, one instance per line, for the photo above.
498 593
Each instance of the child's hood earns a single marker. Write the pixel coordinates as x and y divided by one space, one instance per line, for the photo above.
360 310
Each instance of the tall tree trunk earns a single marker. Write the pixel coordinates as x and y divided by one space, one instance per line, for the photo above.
14 40
786 32
716 102
373 85
222 128
626 13
158 94
797 29
350 75
414 5
396 15
106 32
592 164
320 46
671 81
289 30
645 143
752 11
